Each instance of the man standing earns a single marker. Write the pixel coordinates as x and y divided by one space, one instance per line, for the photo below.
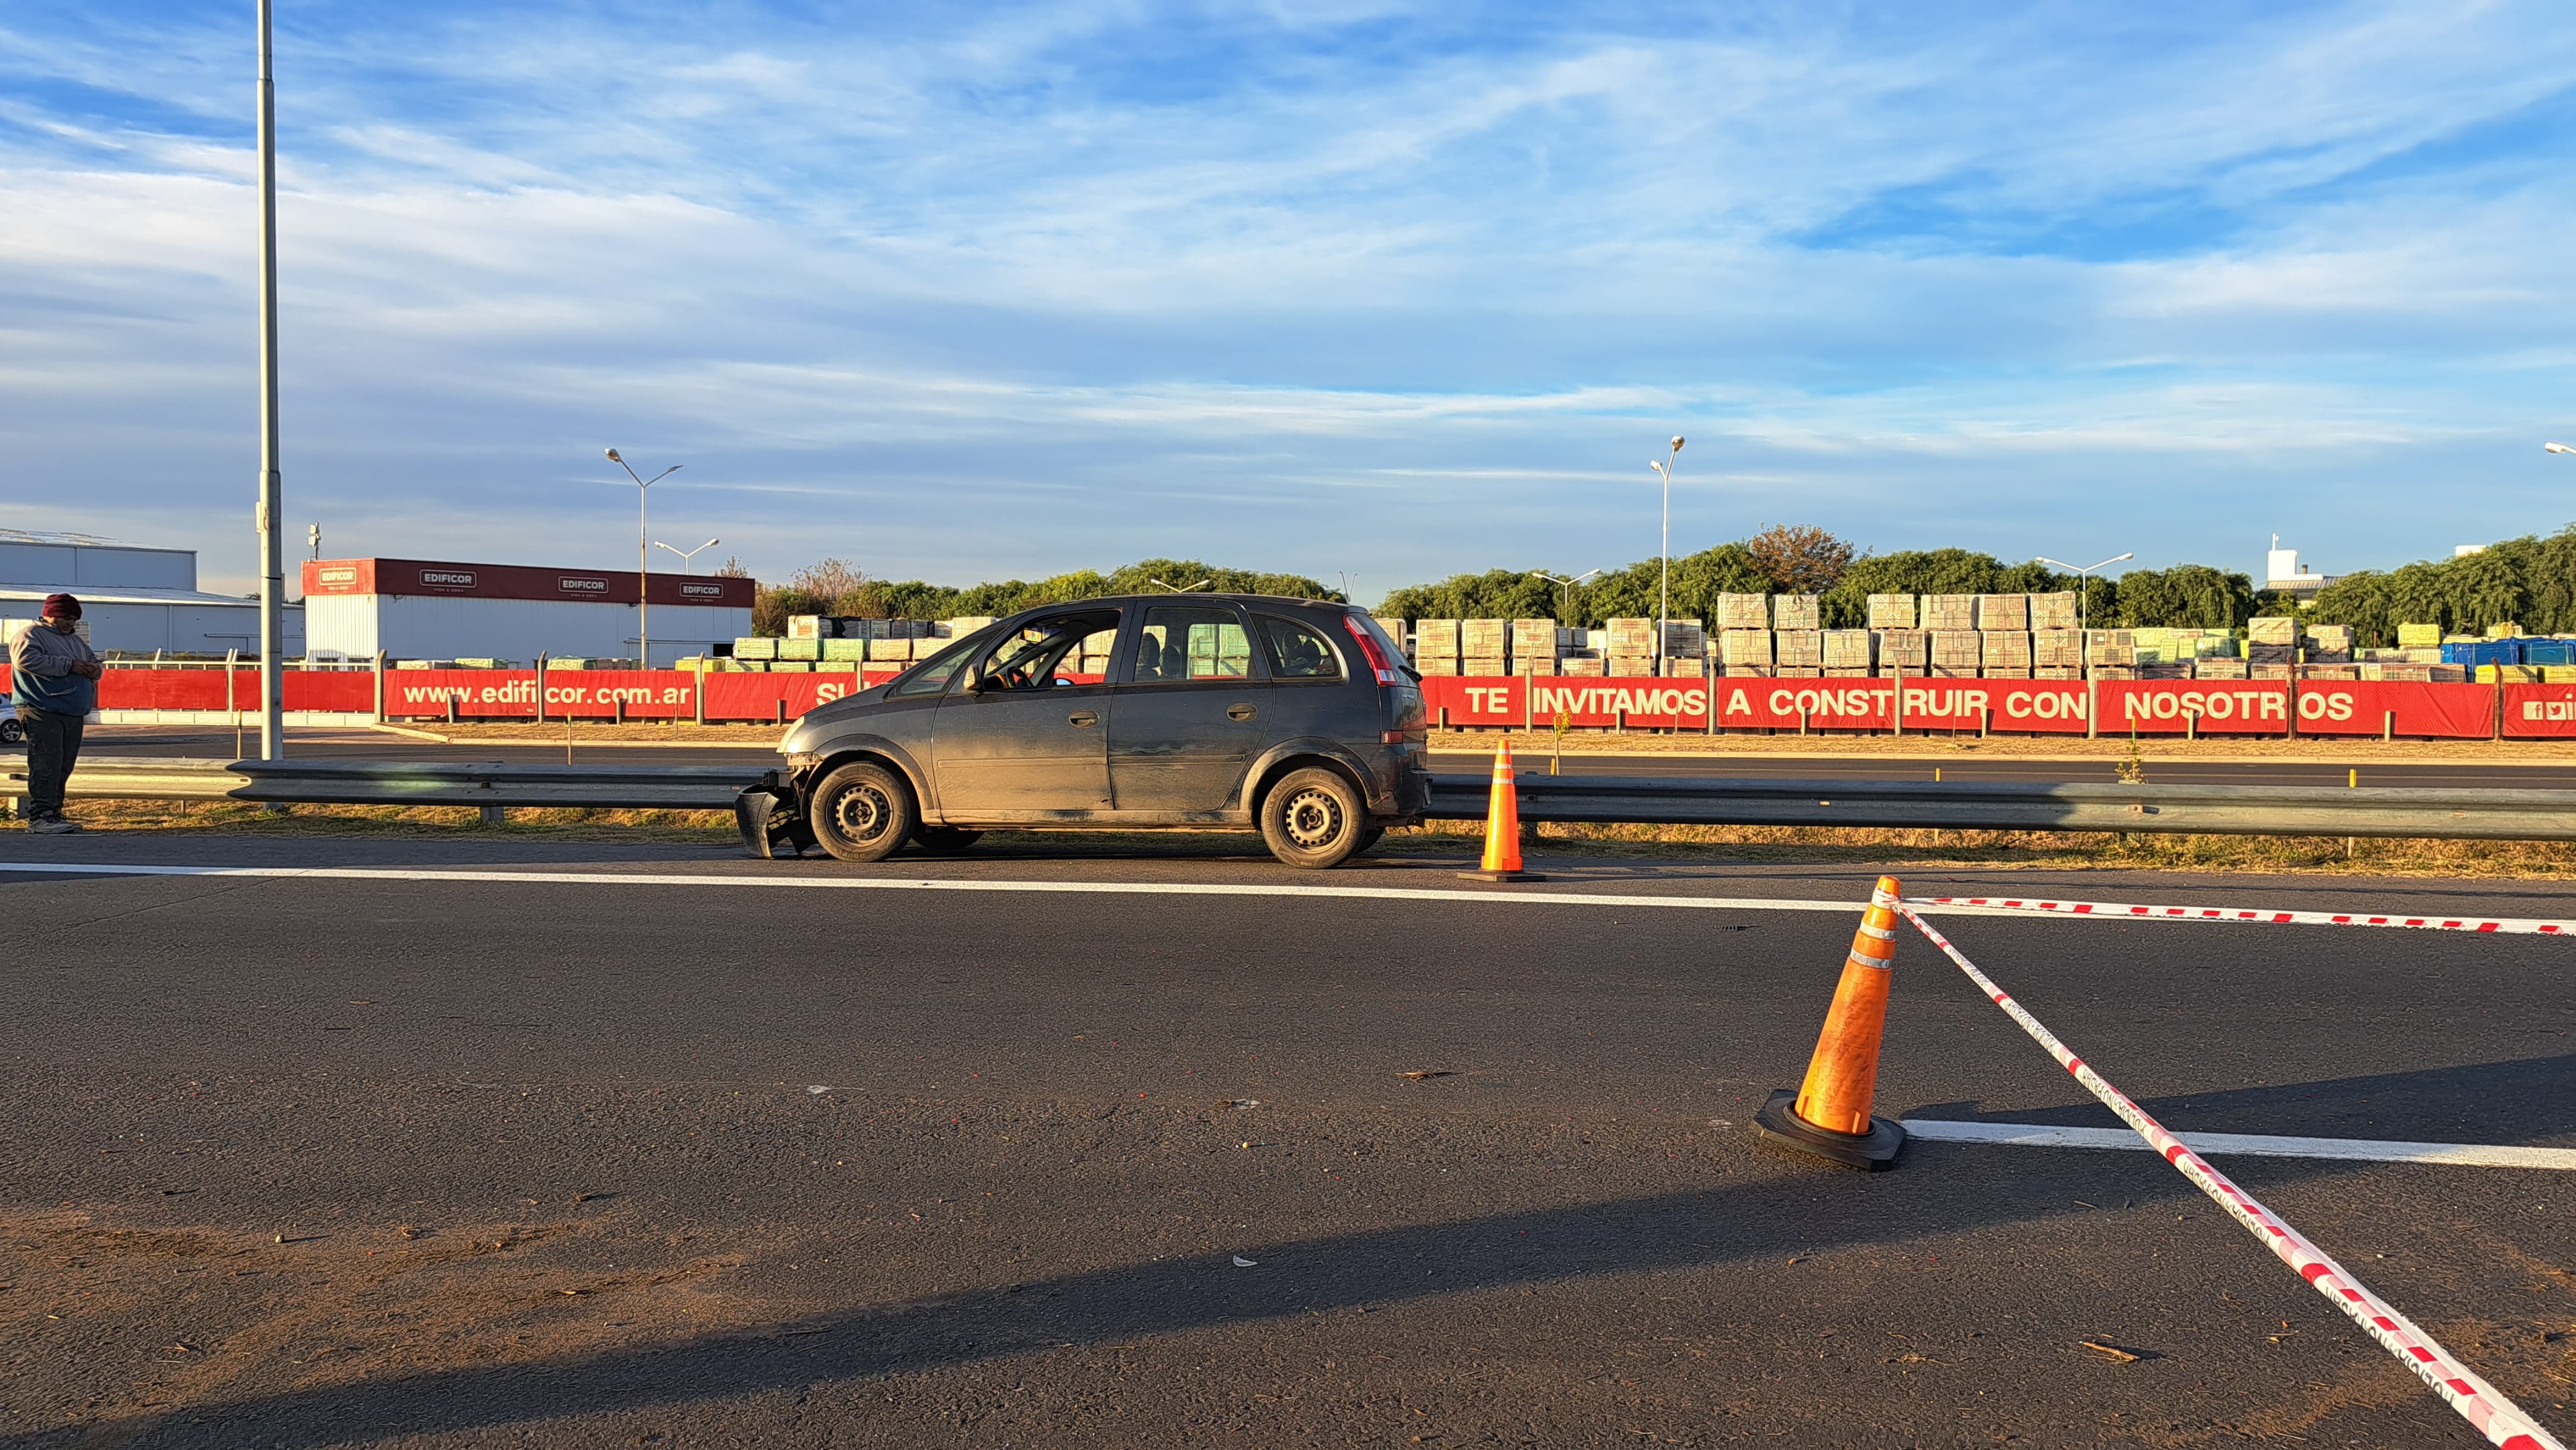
53 683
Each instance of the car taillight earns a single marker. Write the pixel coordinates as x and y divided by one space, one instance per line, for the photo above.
1370 650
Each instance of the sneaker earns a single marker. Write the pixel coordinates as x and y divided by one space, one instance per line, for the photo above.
53 826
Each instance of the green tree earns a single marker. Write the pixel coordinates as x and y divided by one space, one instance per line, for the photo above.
2185 596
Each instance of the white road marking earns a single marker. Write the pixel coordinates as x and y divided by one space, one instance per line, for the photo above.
2261 1145
1076 888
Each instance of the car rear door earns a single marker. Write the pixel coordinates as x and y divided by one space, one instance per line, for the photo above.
1023 738
1189 710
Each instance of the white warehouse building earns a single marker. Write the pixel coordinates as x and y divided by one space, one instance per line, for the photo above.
428 610
135 600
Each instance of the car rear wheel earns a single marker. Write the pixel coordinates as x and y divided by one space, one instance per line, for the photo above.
11 732
1313 819
946 840
861 812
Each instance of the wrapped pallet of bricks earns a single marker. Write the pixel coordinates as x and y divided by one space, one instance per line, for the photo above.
2330 644
2056 649
2272 629
1957 653
1632 638
800 649
2056 672
1902 651
2218 667
2111 649
756 647
963 625
2265 654
1632 666
1684 639
1744 611
1690 667
1845 649
810 626
1951 612
2053 611
1746 648
2004 654
1435 640
888 651
1892 611
1399 631
1584 665
850 651
1534 644
1484 639
2003 613
1797 611
2419 636
1804 648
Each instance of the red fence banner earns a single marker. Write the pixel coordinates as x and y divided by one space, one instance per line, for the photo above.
2539 710
345 692
479 694
2400 707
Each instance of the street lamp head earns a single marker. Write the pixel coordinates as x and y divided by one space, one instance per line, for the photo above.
2116 558
613 458
1677 443
2559 448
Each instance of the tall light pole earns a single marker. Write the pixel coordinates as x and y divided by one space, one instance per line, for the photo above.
1664 599
272 543
687 554
1565 590
2083 587
643 559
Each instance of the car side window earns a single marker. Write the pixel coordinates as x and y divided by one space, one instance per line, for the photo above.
1047 652
1297 652
1179 643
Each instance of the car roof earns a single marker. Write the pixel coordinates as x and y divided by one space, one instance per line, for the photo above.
1111 600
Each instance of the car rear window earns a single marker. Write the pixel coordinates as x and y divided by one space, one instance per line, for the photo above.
1297 651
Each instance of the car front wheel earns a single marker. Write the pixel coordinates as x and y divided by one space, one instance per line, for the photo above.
1313 819
11 732
862 812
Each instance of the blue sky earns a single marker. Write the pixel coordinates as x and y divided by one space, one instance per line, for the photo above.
1398 291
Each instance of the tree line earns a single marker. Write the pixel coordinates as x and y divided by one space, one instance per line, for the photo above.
2530 581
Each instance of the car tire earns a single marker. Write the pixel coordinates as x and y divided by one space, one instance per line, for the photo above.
1313 819
11 731
945 840
861 812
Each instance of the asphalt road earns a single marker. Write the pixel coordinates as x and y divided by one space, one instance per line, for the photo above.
375 745
307 1162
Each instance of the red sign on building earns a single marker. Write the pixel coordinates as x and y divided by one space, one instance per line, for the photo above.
518 581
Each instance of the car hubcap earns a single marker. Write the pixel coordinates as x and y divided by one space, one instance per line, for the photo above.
1313 819
860 813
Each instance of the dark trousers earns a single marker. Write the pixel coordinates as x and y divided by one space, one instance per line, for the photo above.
53 743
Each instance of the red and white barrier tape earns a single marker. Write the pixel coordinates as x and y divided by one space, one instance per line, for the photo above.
2117 910
2497 1418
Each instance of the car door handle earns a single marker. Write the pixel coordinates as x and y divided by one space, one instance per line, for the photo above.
1238 712
1084 717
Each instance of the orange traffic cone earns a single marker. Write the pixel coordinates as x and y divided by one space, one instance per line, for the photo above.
1503 826
1829 1115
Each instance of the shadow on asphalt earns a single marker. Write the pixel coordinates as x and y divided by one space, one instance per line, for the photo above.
1799 1213
1956 1191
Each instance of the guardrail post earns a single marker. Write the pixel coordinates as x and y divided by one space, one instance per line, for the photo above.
541 692
451 709
2293 694
2092 705
698 688
1897 709
493 815
380 687
2388 726
617 710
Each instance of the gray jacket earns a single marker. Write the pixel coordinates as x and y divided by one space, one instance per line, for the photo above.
40 672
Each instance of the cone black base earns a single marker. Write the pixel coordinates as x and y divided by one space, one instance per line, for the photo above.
1870 1152
1500 876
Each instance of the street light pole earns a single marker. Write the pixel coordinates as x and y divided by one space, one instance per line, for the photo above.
2084 587
687 554
1664 597
272 545
1565 591
643 559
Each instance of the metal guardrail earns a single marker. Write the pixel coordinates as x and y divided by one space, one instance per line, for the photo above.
2269 810
407 783
2511 815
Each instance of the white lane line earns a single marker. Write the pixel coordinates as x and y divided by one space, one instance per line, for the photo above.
2260 1145
852 883
1105 888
